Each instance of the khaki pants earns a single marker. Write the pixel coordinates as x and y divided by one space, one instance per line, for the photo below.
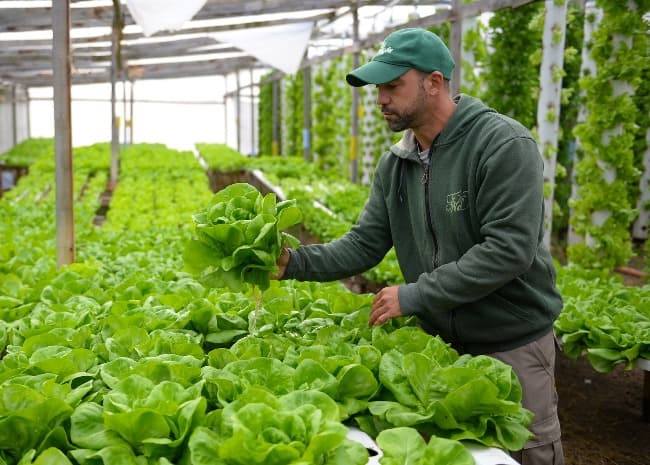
534 364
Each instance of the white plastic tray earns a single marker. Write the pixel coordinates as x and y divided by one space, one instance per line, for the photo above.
643 364
482 455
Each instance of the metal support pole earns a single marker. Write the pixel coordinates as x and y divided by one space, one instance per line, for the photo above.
131 98
29 114
252 93
306 99
275 144
115 63
61 64
124 114
14 114
354 136
225 109
238 111
456 45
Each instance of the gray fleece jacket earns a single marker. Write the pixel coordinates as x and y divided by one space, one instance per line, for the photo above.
467 232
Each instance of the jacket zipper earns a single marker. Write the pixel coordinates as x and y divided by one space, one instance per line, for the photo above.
425 181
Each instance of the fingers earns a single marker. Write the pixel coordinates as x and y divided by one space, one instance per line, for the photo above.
377 318
281 262
384 306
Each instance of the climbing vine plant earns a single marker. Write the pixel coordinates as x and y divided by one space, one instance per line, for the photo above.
603 208
511 76
331 101
292 114
568 117
265 120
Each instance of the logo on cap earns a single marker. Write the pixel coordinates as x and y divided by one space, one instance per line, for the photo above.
383 49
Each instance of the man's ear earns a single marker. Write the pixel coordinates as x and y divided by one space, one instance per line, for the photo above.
436 81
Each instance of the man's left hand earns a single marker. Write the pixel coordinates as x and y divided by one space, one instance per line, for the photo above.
385 306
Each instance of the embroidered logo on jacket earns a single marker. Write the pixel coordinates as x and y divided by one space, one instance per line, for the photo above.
457 202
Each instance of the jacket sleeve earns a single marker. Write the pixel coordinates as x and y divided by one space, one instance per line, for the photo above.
360 249
510 211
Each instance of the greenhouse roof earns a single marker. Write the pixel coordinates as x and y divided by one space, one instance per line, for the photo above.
201 45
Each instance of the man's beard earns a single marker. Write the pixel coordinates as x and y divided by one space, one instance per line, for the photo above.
408 117
401 122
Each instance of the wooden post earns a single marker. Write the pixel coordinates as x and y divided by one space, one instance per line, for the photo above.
225 108
61 58
354 126
14 114
125 119
275 144
115 63
456 45
131 97
29 114
238 111
306 112
252 94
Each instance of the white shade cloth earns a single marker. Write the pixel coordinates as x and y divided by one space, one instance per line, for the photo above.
162 15
281 47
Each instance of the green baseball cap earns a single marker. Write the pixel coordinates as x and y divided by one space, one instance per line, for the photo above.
403 50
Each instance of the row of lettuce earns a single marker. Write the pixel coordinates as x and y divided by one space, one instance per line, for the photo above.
124 357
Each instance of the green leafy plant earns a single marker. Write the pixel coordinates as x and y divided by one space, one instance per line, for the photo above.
239 237
298 428
406 445
607 136
445 395
222 158
511 74
265 119
603 319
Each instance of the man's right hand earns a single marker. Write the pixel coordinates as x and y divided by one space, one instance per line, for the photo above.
282 262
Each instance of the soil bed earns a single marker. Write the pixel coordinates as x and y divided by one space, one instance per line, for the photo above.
601 415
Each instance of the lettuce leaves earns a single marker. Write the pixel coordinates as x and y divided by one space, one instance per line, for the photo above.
239 237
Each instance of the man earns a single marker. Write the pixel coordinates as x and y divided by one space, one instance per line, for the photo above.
460 197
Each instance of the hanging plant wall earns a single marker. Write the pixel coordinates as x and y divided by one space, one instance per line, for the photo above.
568 119
265 119
292 115
603 208
511 77
331 102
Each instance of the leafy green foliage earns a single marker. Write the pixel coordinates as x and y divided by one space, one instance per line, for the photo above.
331 102
292 115
265 120
296 428
239 237
222 158
608 138
511 76
445 395
603 319
406 445
122 358
27 152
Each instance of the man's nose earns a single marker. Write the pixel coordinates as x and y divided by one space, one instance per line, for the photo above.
382 98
